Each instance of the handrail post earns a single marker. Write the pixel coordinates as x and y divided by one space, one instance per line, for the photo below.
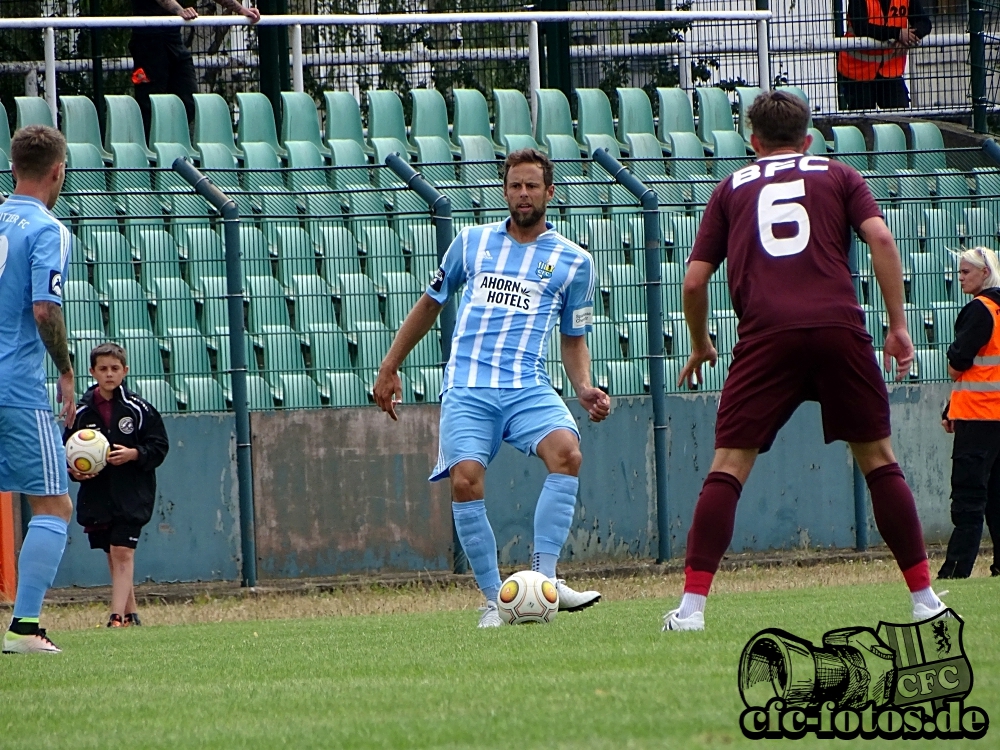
238 356
534 70
297 77
977 66
763 52
50 72
650 202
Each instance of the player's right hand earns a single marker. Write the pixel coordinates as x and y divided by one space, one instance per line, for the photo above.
67 397
188 14
388 391
79 476
899 347
690 374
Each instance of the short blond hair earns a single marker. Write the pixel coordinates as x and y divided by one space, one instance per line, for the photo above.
35 149
983 257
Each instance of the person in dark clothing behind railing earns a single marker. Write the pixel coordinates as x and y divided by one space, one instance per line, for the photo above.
874 77
973 415
161 64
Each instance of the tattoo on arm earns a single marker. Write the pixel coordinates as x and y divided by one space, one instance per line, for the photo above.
52 330
232 5
171 6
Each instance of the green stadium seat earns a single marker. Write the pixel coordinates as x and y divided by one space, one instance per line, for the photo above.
259 394
583 200
91 175
951 188
987 182
512 120
213 123
175 309
605 341
917 322
82 307
628 296
203 395
128 307
565 152
296 256
623 379
730 153
351 164
256 121
32 110
928 147
889 151
435 158
604 241
262 167
123 125
169 123
471 118
214 313
5 133
647 157
718 291
385 120
913 189
878 183
928 279
594 117
745 96
492 204
329 352
940 234
282 355
205 254
980 227
159 258
635 113
157 392
343 119
223 359
278 210
300 120
478 160
553 116
675 113
402 292
219 163
678 338
849 146
714 112
112 258
80 124
6 176
145 360
268 309
255 252
374 340
427 383
683 230
687 156
382 175
358 301
367 209
383 251
340 254
313 305
944 315
345 389
134 187
905 227
308 166
931 364
725 327
421 241
799 94
188 359
427 353
429 116
818 145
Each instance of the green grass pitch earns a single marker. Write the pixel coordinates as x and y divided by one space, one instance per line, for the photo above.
604 678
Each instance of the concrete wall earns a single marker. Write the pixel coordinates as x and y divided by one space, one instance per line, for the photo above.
345 490
194 533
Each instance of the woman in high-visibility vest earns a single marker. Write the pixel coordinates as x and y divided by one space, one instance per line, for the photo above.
973 415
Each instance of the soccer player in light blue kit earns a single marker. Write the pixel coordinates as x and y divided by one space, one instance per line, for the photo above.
34 258
521 278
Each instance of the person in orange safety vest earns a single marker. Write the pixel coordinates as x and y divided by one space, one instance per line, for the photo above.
867 78
973 415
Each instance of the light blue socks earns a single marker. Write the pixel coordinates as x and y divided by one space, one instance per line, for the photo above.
479 543
41 553
553 518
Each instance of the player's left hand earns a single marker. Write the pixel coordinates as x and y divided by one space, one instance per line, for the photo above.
252 13
899 347
596 402
690 374
120 455
388 391
66 395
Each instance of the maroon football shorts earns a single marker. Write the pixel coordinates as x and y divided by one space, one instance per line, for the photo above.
773 373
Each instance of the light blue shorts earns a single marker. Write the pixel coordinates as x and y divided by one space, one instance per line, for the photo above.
475 421
32 457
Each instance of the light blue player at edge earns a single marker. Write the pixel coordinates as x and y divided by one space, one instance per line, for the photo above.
521 279
34 258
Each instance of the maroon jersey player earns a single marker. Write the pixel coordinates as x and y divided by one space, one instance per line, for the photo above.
784 225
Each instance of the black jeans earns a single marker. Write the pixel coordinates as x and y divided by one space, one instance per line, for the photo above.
886 93
975 495
167 66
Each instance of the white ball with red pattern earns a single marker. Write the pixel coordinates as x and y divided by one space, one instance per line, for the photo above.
528 597
87 451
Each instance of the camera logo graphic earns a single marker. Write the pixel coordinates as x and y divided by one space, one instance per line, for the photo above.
909 680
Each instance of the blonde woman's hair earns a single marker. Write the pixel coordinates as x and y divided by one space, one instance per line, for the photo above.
983 257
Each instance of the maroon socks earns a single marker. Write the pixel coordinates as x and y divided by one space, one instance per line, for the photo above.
711 530
897 522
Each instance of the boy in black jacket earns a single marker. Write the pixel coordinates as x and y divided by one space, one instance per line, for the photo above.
115 504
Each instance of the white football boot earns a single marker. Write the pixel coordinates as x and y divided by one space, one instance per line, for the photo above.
574 601
490 617
672 621
38 643
922 612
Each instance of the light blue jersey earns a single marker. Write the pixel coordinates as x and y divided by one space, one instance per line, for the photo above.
514 296
34 258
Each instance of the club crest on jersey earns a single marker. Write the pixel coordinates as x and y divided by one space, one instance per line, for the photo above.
126 425
544 270
55 284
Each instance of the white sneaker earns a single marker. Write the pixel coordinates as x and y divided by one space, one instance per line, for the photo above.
672 621
574 601
922 612
490 617
39 643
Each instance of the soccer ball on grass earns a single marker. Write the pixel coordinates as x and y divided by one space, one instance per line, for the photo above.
87 451
526 597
